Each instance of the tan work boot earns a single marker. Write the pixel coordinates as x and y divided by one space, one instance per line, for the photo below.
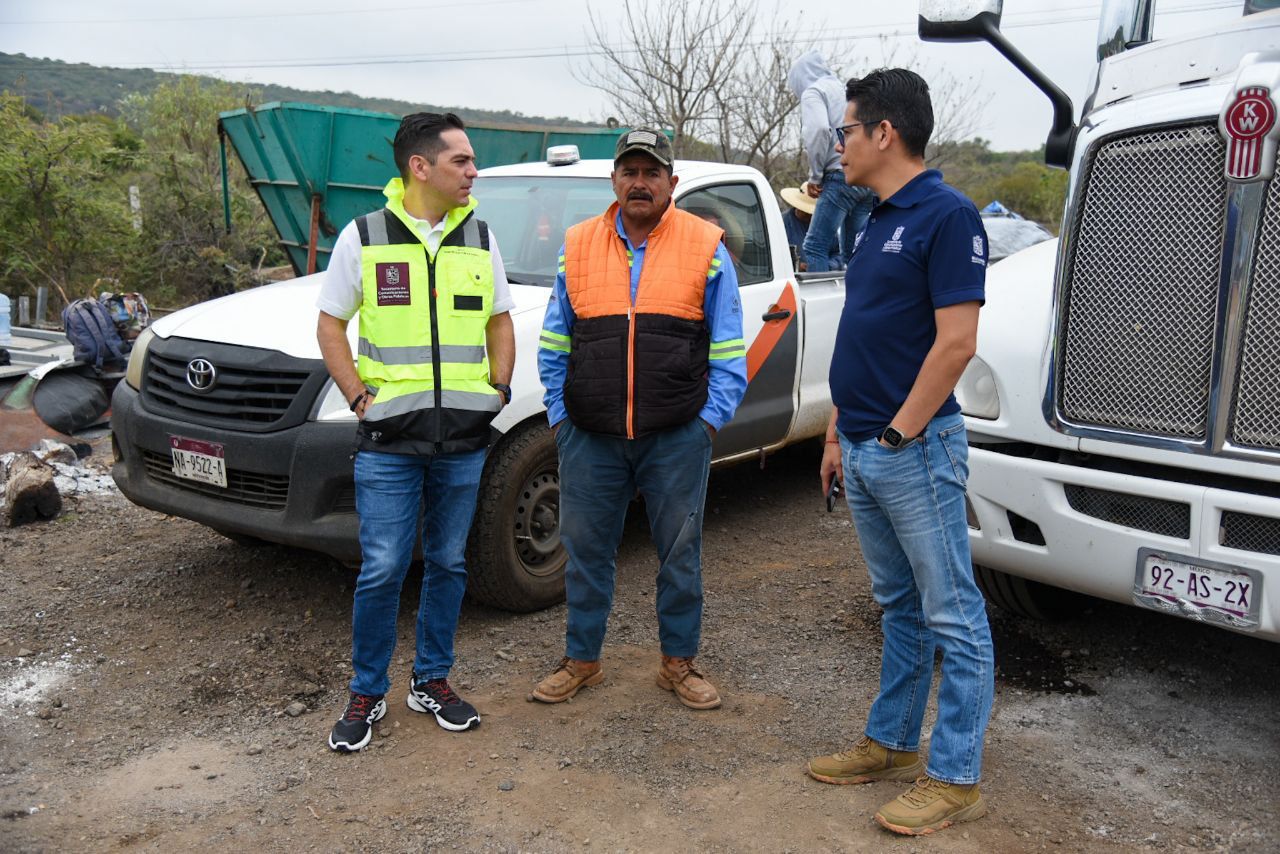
932 805
570 676
866 762
690 686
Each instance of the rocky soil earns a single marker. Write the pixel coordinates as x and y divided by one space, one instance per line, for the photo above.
162 688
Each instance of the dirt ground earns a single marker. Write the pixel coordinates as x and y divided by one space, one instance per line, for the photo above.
163 688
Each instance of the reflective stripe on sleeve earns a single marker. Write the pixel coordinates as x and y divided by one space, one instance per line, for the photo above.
730 349
554 341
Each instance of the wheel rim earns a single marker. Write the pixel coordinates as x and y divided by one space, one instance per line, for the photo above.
537 524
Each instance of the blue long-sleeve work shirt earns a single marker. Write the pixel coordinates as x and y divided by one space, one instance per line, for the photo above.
727 378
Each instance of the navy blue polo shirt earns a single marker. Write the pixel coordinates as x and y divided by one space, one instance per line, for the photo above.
924 248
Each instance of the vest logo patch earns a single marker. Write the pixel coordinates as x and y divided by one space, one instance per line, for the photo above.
393 283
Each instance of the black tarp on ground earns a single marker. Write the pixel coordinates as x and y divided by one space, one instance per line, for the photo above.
69 401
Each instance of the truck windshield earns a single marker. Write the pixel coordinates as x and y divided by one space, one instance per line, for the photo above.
1123 24
530 216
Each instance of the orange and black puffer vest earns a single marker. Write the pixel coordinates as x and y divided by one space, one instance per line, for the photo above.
638 369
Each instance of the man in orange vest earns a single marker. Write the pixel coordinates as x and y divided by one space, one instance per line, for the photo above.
643 361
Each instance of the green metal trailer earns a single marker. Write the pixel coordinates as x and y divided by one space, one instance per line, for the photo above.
316 168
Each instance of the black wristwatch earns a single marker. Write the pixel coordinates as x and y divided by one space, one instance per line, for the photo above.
893 438
504 390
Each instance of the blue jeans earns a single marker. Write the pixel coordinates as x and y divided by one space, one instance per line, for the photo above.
908 508
839 207
390 491
599 475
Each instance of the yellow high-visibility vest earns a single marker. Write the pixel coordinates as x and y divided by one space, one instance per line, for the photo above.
422 324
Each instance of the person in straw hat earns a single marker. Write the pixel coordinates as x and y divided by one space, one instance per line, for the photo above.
796 220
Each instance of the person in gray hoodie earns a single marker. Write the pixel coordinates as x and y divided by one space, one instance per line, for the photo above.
839 206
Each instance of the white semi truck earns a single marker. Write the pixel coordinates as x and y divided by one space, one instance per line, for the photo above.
1124 405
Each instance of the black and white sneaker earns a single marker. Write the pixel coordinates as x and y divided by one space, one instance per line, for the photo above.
355 728
435 697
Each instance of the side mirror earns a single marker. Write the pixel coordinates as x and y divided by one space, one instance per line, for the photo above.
959 20
979 20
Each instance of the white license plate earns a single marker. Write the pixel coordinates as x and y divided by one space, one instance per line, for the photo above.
1188 586
194 459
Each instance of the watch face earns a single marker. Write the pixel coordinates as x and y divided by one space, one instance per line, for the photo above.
892 437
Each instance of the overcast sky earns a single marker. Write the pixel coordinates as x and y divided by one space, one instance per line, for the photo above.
520 54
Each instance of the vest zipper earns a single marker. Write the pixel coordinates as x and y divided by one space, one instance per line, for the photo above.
631 372
435 343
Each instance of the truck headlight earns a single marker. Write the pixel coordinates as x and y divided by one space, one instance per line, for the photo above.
333 405
138 357
976 392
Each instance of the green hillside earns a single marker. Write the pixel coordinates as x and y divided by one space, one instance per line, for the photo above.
58 88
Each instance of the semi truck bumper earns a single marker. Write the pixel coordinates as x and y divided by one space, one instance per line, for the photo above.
1115 535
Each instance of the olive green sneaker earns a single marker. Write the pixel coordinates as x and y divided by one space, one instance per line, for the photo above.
931 805
866 762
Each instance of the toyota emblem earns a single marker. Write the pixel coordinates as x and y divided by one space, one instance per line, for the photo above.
201 375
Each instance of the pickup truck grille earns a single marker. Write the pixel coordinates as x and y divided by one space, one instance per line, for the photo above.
255 390
1142 282
249 489
1256 420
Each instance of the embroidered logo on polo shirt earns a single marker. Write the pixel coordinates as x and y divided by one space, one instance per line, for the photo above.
976 257
393 283
894 244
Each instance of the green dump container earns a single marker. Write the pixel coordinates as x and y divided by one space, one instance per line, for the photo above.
317 168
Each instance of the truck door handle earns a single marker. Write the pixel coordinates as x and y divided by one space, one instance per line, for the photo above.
781 314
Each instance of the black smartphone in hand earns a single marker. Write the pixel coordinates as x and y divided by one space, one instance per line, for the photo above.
833 492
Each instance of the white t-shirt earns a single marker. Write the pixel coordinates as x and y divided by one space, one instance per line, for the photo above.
343 291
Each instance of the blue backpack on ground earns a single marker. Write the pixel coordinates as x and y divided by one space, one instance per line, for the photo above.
93 334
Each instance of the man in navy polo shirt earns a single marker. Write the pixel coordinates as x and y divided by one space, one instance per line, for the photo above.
897 441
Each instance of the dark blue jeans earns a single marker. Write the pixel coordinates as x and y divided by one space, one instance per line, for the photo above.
390 489
839 207
908 508
599 475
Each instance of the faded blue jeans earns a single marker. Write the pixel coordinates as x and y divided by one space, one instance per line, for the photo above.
599 475
908 508
390 491
840 206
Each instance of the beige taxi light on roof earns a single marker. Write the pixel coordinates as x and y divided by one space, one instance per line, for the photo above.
562 155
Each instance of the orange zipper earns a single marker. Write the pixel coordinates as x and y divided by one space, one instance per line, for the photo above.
631 372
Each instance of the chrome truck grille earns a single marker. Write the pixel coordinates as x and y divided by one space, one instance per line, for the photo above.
1256 421
1141 299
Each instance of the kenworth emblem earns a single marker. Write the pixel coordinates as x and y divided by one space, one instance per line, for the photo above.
1248 120
201 375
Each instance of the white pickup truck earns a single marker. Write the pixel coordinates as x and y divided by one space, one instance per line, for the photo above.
228 416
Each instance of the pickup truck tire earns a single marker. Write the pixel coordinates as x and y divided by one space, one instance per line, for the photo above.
1025 598
515 560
